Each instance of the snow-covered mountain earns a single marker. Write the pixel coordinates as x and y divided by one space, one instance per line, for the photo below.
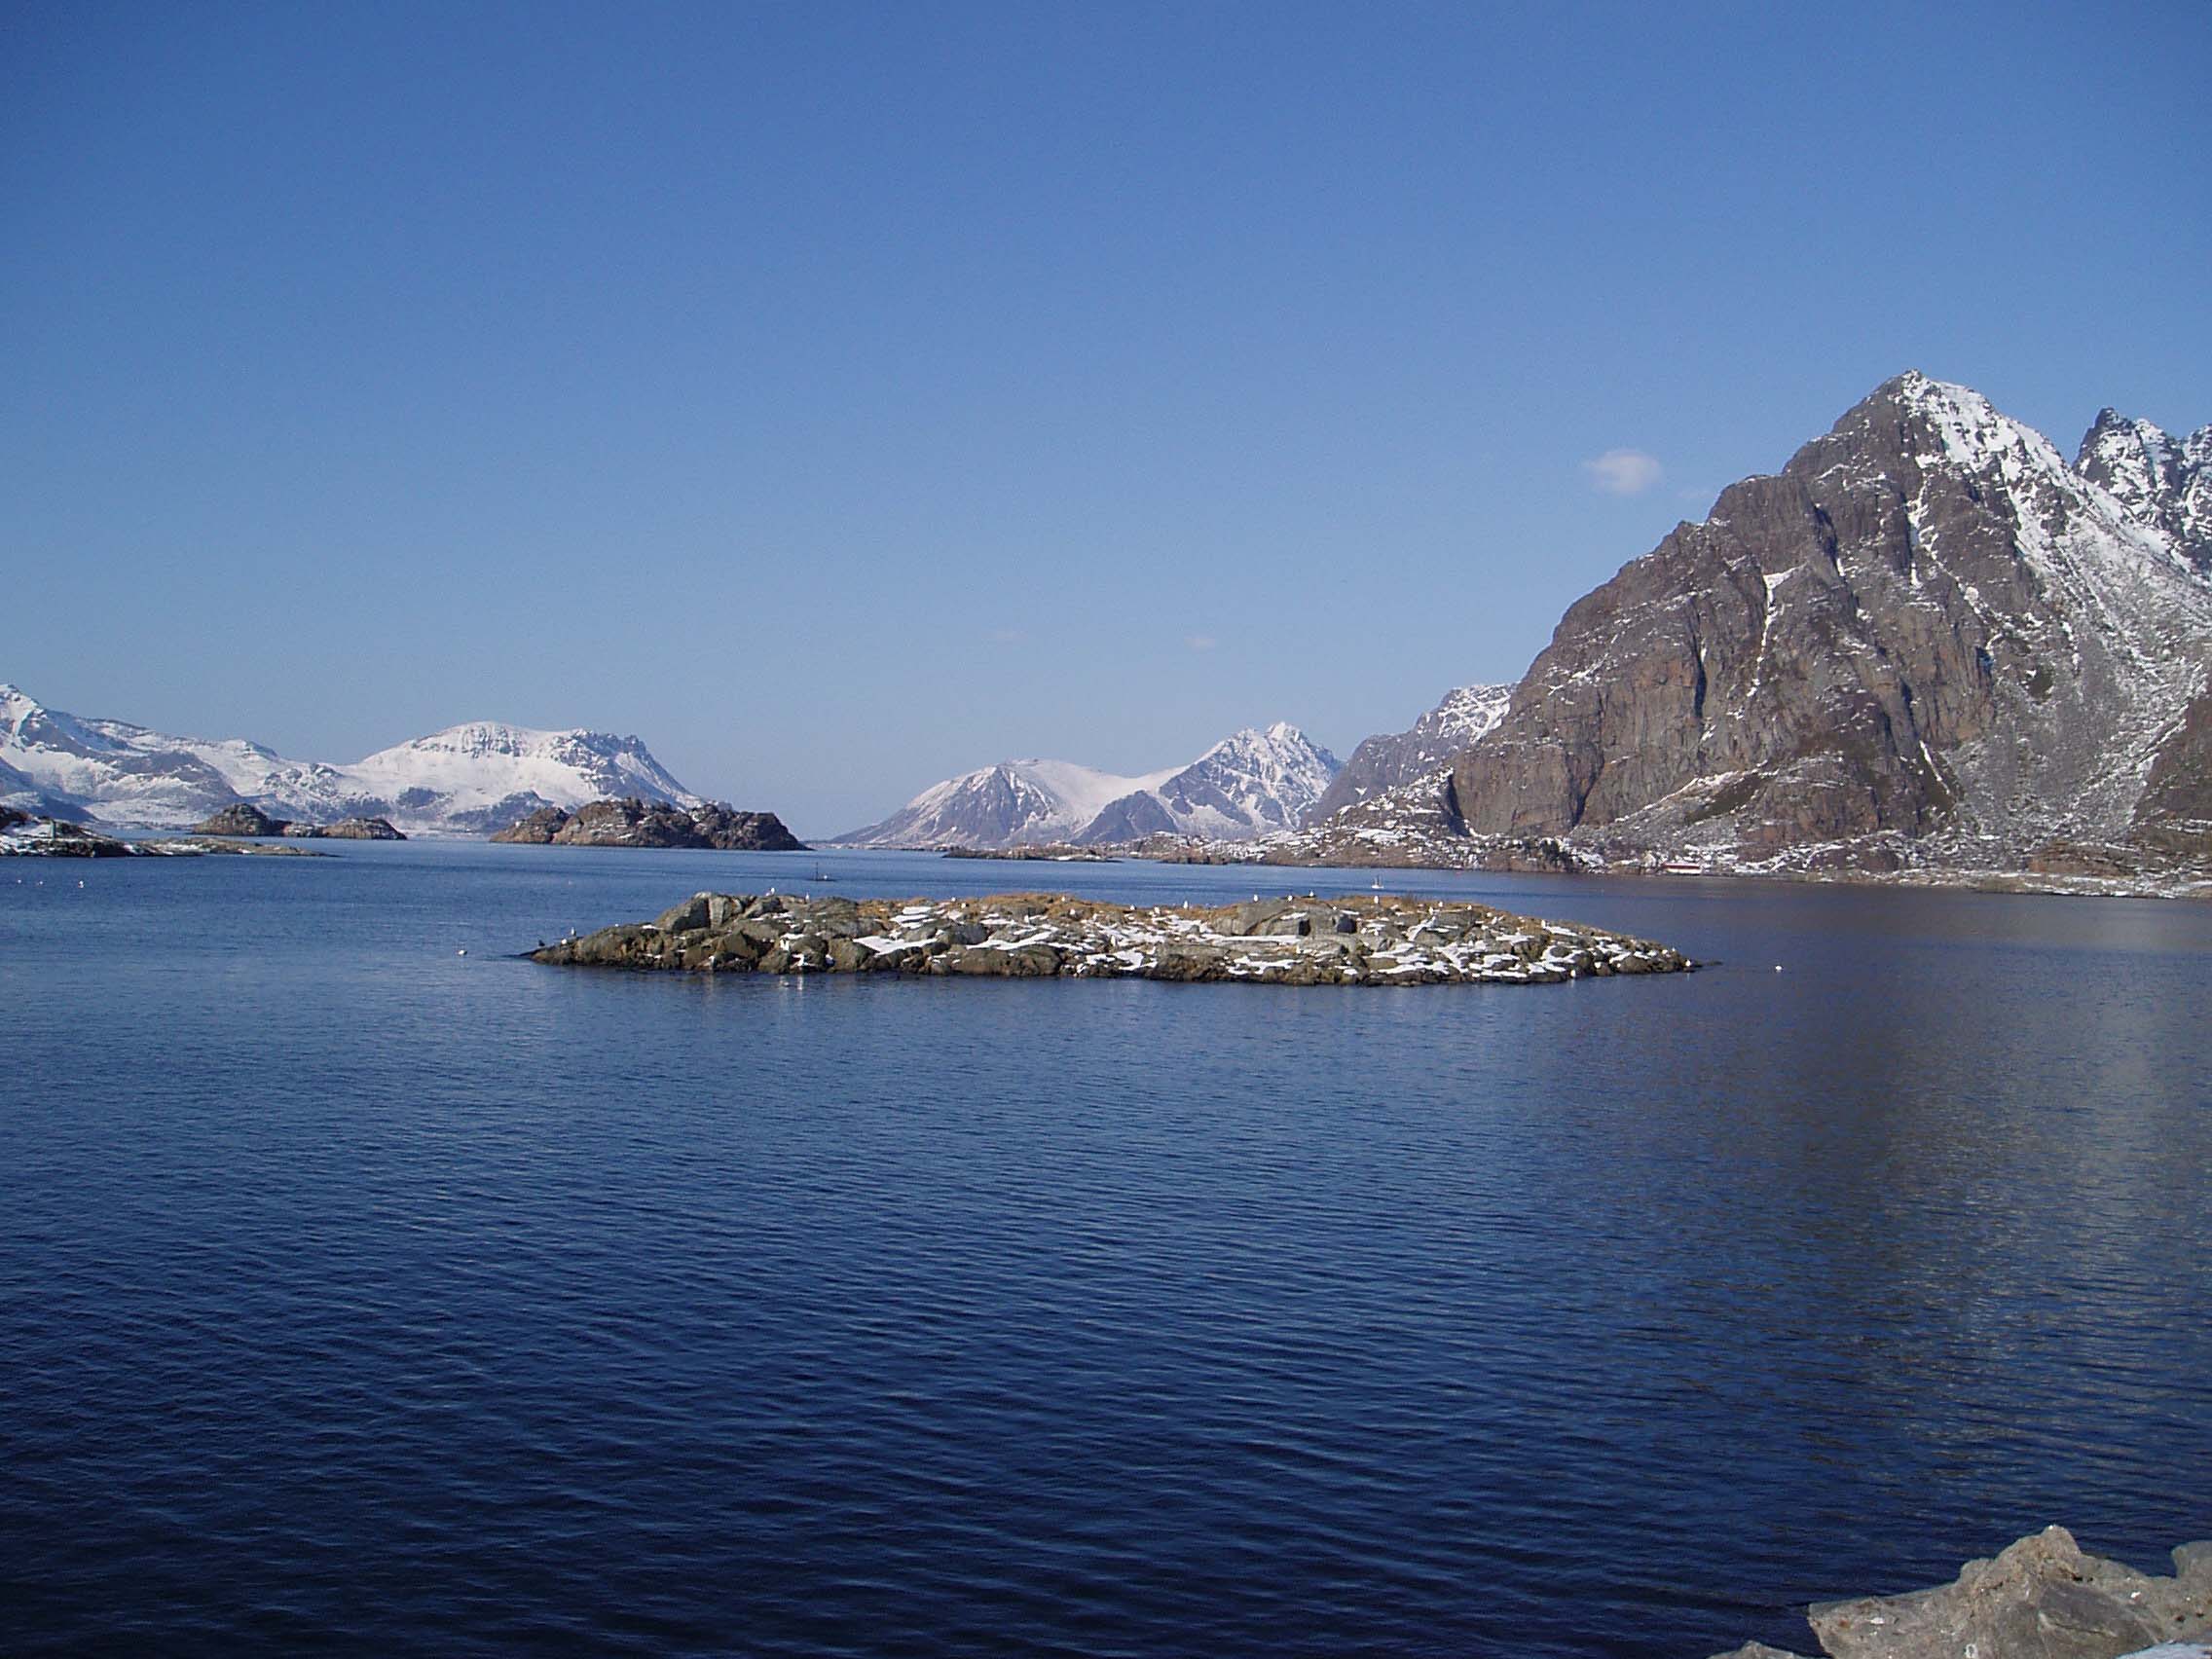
1246 784
1391 760
1929 638
465 780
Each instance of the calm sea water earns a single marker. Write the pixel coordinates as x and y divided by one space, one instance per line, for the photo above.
362 1294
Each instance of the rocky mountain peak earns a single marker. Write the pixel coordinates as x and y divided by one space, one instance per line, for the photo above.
1926 625
2162 483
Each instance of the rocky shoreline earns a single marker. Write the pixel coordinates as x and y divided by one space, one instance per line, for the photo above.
2043 1598
1409 843
1365 941
1038 852
25 837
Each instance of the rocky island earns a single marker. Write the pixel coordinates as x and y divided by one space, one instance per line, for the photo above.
249 822
1366 941
633 822
2042 1598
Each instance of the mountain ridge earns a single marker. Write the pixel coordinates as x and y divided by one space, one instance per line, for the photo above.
466 779
1254 782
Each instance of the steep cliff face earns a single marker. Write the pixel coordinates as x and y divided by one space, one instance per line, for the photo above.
1928 628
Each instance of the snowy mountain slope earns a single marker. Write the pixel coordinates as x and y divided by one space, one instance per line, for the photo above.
1929 631
462 781
1246 784
1249 784
474 777
1390 759
2162 482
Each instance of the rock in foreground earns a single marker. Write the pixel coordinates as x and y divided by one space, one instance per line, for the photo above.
636 823
2041 1598
1288 941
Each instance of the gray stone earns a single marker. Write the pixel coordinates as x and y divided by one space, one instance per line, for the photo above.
2042 1598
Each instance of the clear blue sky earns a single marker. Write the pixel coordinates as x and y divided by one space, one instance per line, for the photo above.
839 397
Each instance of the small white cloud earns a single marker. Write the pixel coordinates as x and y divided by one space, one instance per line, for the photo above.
1624 471
1200 642
1009 636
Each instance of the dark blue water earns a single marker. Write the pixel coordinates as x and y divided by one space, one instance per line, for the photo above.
360 1295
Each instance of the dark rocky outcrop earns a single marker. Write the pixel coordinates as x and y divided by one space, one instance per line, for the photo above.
247 821
347 829
240 819
635 823
1926 631
2041 1598
1365 941
538 830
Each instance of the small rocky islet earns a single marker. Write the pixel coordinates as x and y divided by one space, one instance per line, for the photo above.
632 821
1380 940
247 821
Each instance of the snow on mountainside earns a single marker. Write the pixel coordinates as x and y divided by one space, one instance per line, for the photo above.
465 780
1391 760
474 777
2162 482
1246 784
1928 640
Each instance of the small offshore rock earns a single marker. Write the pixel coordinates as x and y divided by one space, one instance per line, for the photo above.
632 821
2042 1598
242 817
245 820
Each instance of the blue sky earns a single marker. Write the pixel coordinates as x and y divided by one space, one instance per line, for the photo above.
839 397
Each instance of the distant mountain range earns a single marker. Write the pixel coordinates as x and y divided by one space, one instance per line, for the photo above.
463 781
1249 784
1929 642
